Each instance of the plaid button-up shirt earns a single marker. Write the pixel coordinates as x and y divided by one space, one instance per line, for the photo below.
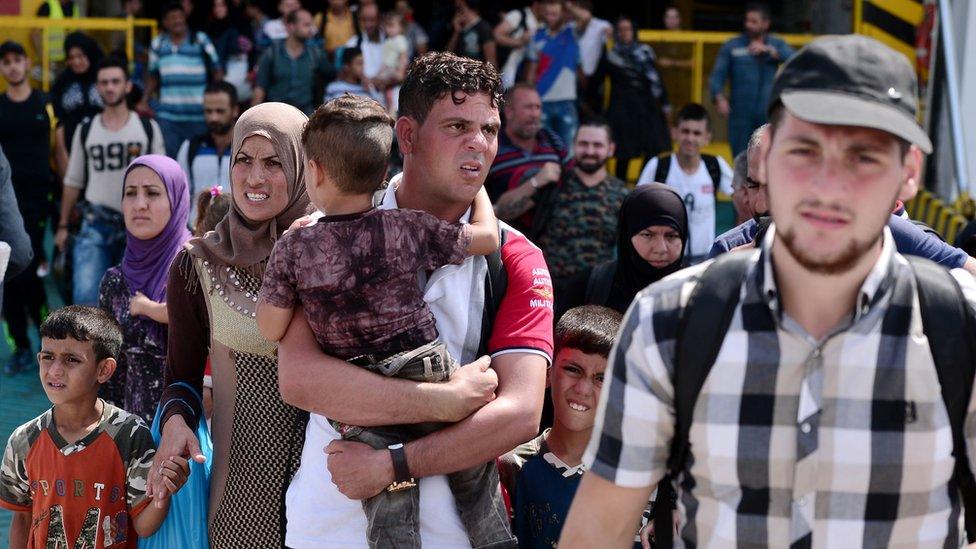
839 442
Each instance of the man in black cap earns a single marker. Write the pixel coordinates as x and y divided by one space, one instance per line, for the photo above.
25 137
813 392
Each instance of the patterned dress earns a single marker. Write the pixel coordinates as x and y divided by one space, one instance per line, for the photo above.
257 438
137 382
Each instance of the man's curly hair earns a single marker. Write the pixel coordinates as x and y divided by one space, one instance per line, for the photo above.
437 74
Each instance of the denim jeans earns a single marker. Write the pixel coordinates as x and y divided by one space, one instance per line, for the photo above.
393 518
175 133
562 118
99 245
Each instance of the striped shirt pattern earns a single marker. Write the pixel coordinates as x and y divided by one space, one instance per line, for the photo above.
838 442
182 74
512 163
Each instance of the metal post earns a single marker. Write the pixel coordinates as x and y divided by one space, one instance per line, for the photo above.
696 79
45 61
948 45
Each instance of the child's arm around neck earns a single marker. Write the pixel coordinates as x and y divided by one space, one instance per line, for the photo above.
483 227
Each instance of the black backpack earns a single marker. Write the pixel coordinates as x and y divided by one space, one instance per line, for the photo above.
711 164
496 283
947 322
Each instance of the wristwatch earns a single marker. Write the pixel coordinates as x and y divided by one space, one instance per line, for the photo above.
401 473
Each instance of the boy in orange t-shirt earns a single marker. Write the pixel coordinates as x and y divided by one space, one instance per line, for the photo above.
76 475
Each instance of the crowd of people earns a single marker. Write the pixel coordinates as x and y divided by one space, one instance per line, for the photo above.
414 306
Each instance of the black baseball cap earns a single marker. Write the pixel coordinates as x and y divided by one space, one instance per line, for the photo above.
11 47
852 80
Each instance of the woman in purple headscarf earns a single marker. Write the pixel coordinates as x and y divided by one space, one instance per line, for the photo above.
155 207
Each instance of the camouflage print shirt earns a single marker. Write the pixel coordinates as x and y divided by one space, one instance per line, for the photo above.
581 231
80 494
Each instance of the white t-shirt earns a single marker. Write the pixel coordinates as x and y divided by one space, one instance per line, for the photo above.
699 195
372 53
517 55
108 155
591 43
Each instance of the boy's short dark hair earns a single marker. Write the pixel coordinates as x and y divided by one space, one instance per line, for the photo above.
223 86
292 17
350 136
82 323
349 55
591 329
693 111
113 62
436 74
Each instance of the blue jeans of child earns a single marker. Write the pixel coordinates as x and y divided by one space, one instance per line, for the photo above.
393 518
99 245
562 118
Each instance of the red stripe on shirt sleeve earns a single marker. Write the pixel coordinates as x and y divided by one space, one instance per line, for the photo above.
525 315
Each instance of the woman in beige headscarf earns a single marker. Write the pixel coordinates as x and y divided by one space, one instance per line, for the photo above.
212 294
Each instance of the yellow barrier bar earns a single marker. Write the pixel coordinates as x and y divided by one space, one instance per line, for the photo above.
45 61
698 67
88 23
705 37
858 15
130 39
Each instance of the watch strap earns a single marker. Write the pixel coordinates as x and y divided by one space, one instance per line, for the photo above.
401 472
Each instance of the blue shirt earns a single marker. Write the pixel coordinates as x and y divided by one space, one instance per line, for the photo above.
909 240
752 75
182 74
557 57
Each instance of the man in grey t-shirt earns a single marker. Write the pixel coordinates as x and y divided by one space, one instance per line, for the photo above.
101 150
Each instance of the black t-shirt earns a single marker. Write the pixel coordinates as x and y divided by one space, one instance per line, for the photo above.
25 135
471 40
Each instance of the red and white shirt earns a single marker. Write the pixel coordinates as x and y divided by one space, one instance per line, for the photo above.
317 514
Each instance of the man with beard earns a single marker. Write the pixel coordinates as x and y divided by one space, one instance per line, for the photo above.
101 150
750 60
827 409
25 137
205 158
577 226
529 158
909 237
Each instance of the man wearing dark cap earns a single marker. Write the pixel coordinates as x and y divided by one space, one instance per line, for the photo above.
25 137
828 408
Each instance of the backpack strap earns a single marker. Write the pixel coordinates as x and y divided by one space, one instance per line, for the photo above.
85 129
148 128
926 228
663 167
950 328
598 285
714 171
191 153
496 283
702 326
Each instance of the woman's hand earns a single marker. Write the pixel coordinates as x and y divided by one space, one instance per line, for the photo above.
139 304
177 441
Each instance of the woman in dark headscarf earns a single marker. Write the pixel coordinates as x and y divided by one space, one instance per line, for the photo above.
213 290
155 206
651 236
638 99
73 94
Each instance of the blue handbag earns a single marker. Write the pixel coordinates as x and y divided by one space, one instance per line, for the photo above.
185 526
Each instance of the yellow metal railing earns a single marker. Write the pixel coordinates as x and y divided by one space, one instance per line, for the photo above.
697 41
127 25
